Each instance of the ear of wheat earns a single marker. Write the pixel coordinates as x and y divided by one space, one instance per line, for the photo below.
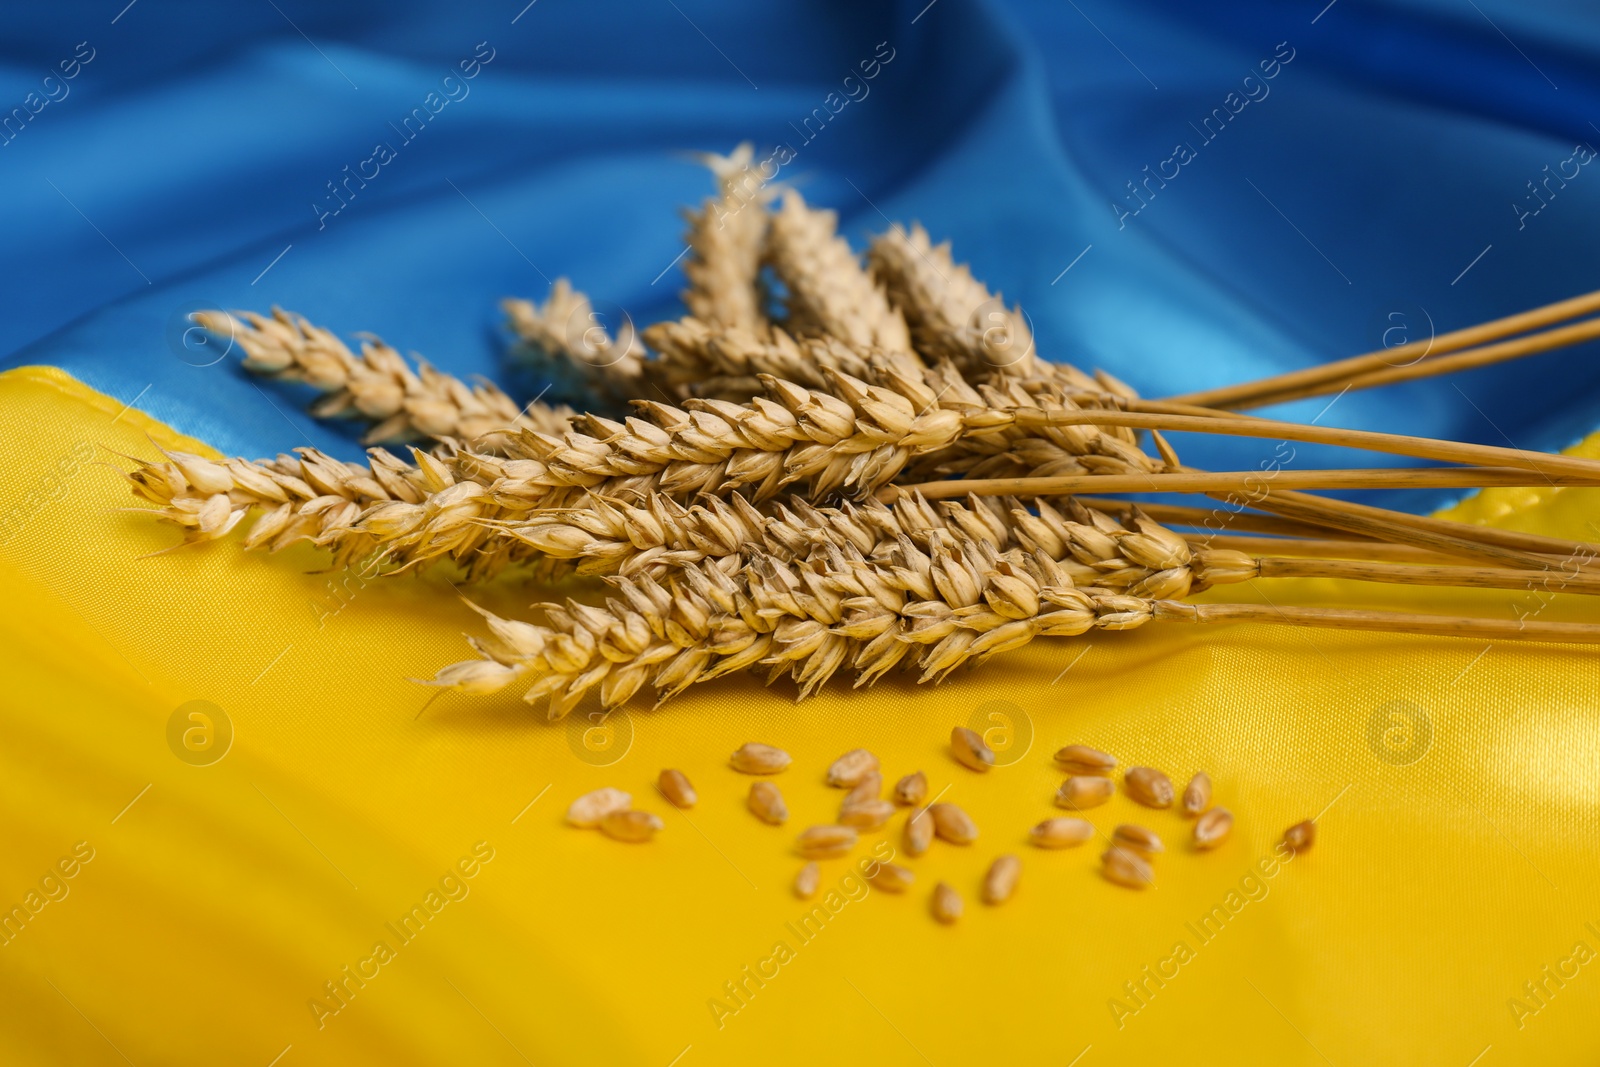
736 519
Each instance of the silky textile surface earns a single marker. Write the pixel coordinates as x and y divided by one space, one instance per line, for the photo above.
1186 195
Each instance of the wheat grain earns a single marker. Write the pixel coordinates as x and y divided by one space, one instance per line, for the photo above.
631 826
952 824
1138 839
849 769
1148 786
865 815
1081 792
918 832
1301 836
1197 794
1000 883
1083 760
587 811
870 786
912 789
755 758
1126 868
674 785
891 878
1062 832
766 803
969 750
945 904
1212 827
807 881
826 842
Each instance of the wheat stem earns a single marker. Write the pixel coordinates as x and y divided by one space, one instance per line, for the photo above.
1383 622
1329 377
1367 440
1550 581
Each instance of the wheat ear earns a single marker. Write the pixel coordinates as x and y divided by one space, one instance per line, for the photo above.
829 293
377 385
727 240
566 332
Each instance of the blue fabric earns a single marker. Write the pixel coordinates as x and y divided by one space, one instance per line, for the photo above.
1383 156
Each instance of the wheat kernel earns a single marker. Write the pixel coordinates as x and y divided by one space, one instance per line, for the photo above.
753 758
969 749
1126 868
1149 787
918 832
1001 881
826 842
675 786
632 826
1301 836
946 904
806 882
892 878
1081 759
851 767
1197 794
1063 832
1137 839
952 824
866 814
866 789
912 789
766 803
1082 791
589 809
1212 827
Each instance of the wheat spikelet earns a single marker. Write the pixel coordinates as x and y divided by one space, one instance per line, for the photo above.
378 385
828 291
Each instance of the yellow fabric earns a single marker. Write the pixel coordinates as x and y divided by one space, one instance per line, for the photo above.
217 905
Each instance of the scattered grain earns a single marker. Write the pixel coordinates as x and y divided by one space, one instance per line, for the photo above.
766 803
1149 787
631 826
866 814
1126 868
1001 881
952 824
1081 759
892 878
806 882
753 758
851 767
1197 794
1301 836
946 904
1212 827
969 749
826 842
918 832
589 809
1063 832
1081 791
1137 839
912 789
675 786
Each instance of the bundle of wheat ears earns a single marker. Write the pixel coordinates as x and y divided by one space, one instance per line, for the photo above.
766 482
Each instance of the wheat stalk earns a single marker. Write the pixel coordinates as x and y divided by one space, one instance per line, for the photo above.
377 385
